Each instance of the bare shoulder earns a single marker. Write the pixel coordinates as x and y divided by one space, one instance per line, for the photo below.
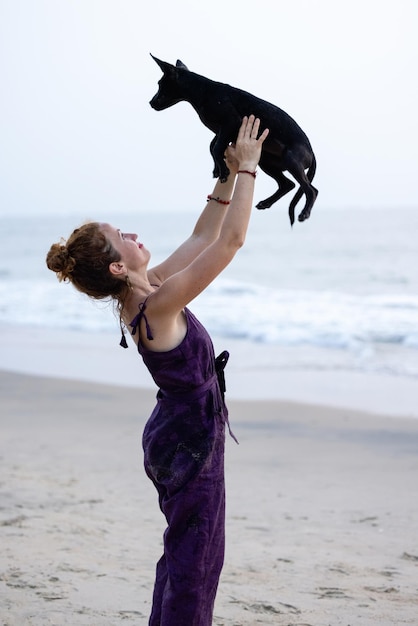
167 328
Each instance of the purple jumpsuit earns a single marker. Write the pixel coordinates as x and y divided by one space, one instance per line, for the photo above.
183 445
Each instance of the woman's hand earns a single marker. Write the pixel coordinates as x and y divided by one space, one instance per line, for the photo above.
246 152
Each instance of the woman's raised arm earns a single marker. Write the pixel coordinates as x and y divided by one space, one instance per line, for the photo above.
184 285
206 229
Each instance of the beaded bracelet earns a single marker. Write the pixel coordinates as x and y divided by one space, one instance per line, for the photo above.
253 174
217 199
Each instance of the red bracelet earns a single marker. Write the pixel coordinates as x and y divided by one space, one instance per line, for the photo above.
253 174
217 199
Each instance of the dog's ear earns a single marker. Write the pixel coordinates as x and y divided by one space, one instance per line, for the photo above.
181 64
166 67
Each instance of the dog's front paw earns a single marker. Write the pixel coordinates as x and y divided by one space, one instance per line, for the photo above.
223 174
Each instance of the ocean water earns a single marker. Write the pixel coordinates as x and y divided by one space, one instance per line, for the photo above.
338 291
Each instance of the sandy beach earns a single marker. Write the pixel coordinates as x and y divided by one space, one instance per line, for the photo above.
322 509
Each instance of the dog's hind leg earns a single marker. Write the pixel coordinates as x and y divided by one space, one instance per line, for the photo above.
285 185
270 166
311 195
304 179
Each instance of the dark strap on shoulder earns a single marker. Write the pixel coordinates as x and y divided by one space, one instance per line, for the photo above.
137 320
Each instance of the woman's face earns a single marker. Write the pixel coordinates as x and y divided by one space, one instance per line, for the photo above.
132 252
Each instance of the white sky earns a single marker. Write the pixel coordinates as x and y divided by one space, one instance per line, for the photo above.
77 134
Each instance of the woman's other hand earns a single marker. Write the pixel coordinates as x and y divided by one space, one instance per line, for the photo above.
246 152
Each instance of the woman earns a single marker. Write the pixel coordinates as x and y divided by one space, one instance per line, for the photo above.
183 439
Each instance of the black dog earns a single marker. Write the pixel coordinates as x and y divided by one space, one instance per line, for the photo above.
221 108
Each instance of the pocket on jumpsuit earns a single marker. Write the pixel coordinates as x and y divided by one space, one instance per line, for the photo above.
176 444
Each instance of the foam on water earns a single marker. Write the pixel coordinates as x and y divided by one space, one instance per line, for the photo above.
330 284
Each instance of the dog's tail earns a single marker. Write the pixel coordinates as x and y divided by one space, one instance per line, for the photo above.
309 174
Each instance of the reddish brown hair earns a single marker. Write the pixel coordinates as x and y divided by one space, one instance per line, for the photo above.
84 261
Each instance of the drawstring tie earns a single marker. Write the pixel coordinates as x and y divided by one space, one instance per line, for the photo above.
198 392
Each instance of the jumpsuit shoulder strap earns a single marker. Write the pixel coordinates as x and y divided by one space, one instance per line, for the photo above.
137 320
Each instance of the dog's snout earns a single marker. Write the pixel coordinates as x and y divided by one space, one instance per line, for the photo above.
155 102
